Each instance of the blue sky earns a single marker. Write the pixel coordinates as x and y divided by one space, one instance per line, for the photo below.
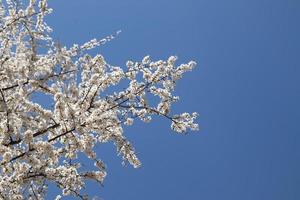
246 89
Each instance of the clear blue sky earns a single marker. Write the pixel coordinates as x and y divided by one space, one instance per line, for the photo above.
246 89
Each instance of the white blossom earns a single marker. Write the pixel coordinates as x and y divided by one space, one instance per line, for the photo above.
7 156
129 121
28 136
40 145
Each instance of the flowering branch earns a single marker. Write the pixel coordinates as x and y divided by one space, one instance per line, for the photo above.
39 145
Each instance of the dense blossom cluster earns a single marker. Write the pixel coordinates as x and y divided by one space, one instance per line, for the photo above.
40 146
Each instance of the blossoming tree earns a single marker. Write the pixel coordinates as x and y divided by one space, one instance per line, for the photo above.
40 146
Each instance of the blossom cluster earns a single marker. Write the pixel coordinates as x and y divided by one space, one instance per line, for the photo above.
40 146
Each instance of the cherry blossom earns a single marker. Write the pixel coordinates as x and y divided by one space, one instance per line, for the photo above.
40 146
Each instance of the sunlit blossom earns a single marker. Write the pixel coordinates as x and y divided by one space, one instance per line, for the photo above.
41 145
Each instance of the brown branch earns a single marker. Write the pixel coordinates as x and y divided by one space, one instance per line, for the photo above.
41 79
7 113
60 135
17 19
36 134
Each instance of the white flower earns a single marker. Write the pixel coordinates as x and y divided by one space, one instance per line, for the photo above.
146 60
7 156
129 64
129 121
172 60
28 136
58 197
